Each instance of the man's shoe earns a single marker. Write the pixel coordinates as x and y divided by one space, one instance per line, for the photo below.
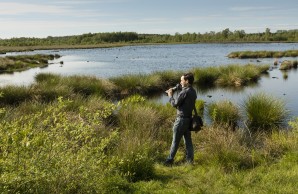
168 162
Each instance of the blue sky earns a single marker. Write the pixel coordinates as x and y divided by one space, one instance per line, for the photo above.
33 18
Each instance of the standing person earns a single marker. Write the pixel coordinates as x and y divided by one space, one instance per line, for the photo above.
184 104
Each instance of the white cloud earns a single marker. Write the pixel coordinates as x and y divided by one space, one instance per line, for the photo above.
240 9
23 8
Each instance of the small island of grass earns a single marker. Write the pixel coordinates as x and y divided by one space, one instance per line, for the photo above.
23 62
263 54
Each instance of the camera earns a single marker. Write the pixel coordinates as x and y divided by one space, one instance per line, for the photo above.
175 88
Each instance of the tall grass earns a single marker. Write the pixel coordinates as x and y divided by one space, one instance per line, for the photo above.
13 95
263 54
286 65
224 113
91 145
50 86
146 83
264 112
22 62
231 75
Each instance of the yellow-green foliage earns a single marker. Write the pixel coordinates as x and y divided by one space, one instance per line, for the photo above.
264 112
22 62
224 112
286 65
263 54
146 83
58 150
230 75
90 145
1 109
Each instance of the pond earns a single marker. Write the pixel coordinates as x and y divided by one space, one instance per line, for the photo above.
111 62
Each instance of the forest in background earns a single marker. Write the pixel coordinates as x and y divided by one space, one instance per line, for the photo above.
132 37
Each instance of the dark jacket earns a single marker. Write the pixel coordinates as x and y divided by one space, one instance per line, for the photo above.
185 102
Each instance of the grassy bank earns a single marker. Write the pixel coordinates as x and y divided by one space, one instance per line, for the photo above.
230 75
91 145
50 86
66 134
4 49
23 62
263 54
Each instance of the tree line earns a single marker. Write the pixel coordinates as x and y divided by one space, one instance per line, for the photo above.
225 35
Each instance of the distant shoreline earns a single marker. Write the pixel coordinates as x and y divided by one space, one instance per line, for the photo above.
7 49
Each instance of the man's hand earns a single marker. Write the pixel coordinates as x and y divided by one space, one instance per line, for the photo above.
170 92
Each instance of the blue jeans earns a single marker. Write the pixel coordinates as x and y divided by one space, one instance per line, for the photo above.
181 129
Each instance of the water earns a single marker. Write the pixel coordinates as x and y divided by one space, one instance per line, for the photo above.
111 62
279 87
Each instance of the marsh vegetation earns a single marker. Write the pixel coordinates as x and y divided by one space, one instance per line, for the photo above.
66 134
262 54
24 62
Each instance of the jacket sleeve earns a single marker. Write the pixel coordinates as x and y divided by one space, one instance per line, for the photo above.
177 102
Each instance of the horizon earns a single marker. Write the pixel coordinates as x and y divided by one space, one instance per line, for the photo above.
40 19
141 33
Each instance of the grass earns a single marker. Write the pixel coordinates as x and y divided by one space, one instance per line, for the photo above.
66 135
23 62
224 113
4 49
287 65
264 112
146 83
88 144
50 86
231 75
263 54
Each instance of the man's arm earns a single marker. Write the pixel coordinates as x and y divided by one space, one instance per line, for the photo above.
179 100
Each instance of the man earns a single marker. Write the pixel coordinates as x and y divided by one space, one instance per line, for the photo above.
184 104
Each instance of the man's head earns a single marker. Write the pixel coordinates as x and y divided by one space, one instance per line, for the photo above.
187 79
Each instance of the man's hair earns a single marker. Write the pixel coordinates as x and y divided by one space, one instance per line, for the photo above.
189 77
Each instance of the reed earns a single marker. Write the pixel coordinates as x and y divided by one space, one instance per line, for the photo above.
264 112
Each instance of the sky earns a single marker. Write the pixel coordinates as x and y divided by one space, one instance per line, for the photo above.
42 18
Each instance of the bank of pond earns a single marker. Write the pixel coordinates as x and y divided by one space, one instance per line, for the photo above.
84 142
49 86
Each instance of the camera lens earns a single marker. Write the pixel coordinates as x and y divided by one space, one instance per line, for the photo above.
176 87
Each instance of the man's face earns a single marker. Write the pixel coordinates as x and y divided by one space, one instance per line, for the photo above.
183 82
